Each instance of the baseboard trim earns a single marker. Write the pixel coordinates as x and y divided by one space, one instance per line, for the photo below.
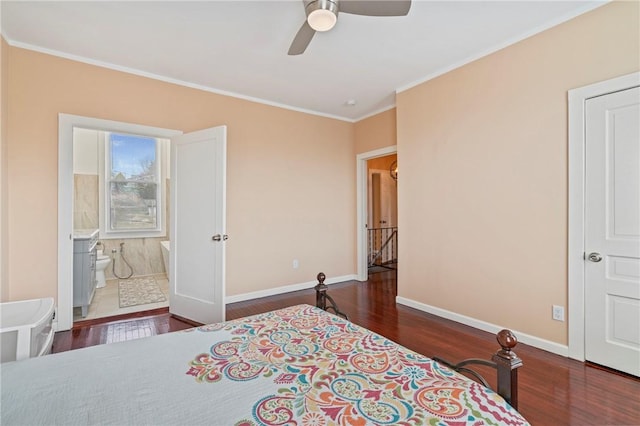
286 289
534 341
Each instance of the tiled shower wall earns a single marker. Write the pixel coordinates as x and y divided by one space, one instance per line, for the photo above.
143 254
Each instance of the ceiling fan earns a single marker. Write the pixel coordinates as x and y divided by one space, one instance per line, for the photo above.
323 14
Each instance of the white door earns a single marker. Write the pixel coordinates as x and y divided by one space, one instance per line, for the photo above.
198 173
612 234
383 204
388 201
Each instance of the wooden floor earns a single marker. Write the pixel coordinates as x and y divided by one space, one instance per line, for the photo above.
553 390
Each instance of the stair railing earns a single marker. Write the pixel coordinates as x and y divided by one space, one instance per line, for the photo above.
379 252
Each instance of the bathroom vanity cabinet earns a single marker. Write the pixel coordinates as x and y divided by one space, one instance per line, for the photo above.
84 268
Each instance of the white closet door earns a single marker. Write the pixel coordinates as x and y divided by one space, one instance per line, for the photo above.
612 234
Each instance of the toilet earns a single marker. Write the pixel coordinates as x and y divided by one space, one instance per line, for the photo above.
102 261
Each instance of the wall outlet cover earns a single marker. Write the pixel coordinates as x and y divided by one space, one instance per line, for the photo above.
558 313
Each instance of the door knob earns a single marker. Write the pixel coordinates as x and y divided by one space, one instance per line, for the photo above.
216 237
594 257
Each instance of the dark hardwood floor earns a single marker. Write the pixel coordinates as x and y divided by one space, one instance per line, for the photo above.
553 390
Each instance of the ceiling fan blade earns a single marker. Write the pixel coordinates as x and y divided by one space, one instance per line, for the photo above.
375 7
302 39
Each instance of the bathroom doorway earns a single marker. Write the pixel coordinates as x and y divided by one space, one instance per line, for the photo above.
121 189
189 301
67 220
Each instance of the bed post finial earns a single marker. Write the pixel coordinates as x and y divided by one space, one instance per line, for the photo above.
322 297
321 292
507 341
507 363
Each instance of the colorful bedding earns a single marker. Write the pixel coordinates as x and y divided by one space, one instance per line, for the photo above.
294 366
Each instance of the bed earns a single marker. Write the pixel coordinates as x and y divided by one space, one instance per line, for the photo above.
296 366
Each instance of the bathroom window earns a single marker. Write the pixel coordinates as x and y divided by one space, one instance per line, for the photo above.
133 189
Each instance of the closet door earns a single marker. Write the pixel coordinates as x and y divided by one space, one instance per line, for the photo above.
612 231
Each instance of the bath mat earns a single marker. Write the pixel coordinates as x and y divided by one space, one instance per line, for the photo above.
139 291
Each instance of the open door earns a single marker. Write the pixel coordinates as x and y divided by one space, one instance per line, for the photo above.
198 192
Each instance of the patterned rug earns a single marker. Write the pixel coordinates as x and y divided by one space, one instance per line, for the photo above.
139 291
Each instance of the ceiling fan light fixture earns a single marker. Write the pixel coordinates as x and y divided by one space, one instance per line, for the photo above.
322 15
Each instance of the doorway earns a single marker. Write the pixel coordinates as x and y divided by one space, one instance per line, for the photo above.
382 216
211 193
121 188
362 203
66 190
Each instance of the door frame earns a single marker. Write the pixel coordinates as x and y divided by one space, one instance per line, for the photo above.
66 123
576 227
361 205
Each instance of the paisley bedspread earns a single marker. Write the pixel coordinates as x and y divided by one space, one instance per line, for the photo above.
295 366
325 370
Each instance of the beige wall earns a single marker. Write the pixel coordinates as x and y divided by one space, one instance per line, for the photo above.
4 287
484 164
375 132
484 172
286 193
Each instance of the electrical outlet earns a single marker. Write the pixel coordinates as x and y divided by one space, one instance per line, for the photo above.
296 264
558 313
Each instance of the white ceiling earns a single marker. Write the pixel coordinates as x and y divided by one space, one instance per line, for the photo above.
240 47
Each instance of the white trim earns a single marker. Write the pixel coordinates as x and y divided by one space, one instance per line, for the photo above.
543 27
575 255
66 123
285 289
169 79
64 314
361 203
552 23
376 112
527 339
